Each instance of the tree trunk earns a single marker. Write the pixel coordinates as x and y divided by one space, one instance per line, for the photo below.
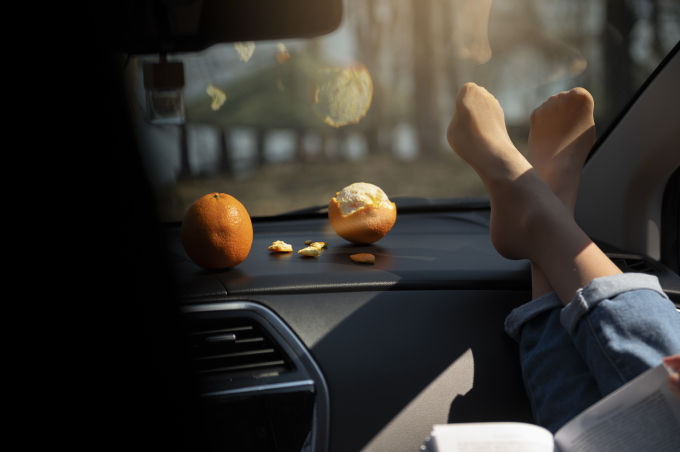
369 35
185 168
259 159
426 119
618 76
300 152
225 166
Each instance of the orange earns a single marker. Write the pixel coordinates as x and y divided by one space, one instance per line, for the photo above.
217 232
361 213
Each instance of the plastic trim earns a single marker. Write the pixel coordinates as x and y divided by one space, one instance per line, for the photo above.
304 385
602 138
321 432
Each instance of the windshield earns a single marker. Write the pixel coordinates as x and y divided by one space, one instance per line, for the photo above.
283 125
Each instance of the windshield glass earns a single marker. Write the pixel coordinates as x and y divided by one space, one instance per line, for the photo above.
284 125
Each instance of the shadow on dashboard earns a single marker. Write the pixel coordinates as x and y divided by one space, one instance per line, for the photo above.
379 351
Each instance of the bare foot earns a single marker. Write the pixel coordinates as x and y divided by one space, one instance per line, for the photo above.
527 220
562 134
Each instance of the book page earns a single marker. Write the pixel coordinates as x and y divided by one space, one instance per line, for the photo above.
490 437
642 415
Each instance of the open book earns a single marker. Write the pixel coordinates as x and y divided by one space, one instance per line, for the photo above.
640 416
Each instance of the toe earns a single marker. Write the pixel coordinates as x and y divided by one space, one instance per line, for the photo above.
581 96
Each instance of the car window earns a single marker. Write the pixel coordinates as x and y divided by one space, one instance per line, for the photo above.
283 125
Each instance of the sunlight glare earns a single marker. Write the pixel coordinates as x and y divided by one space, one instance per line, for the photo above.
427 409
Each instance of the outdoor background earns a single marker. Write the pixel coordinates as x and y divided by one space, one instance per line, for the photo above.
267 148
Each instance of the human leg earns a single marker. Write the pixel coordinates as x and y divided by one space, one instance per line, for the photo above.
627 337
562 134
622 325
557 380
527 220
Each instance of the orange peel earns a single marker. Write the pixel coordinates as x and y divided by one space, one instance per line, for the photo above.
280 247
309 251
363 258
361 213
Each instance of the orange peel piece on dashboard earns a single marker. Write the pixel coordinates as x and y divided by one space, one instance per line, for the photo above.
280 247
309 251
342 95
363 258
362 213
217 232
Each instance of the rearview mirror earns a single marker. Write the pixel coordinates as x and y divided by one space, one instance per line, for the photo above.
164 26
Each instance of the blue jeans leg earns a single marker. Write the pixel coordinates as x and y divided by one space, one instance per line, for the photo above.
621 326
557 380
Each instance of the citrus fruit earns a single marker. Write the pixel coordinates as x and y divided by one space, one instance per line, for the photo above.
361 213
217 231
342 95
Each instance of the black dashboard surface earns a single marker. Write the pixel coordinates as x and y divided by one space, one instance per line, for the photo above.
414 340
398 362
423 251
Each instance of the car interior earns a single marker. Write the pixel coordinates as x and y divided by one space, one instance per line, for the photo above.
282 353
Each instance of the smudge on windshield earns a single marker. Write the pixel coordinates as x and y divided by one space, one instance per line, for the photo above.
282 56
342 95
218 97
245 50
470 31
568 63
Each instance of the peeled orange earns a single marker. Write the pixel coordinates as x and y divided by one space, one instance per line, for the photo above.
217 232
362 213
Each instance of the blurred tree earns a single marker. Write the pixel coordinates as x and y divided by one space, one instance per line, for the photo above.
620 19
185 168
426 118
369 36
224 162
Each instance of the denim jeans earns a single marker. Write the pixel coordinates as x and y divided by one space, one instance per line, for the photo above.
614 329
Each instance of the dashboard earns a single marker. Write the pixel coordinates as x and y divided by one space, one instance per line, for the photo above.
367 357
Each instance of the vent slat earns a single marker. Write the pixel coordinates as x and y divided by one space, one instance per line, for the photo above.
247 347
245 367
225 330
232 355
244 341
634 265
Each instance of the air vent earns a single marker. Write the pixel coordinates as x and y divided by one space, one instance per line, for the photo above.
633 264
234 347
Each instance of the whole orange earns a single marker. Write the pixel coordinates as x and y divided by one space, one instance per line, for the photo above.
217 232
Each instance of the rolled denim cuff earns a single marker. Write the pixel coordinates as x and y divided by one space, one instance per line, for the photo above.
604 288
526 312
